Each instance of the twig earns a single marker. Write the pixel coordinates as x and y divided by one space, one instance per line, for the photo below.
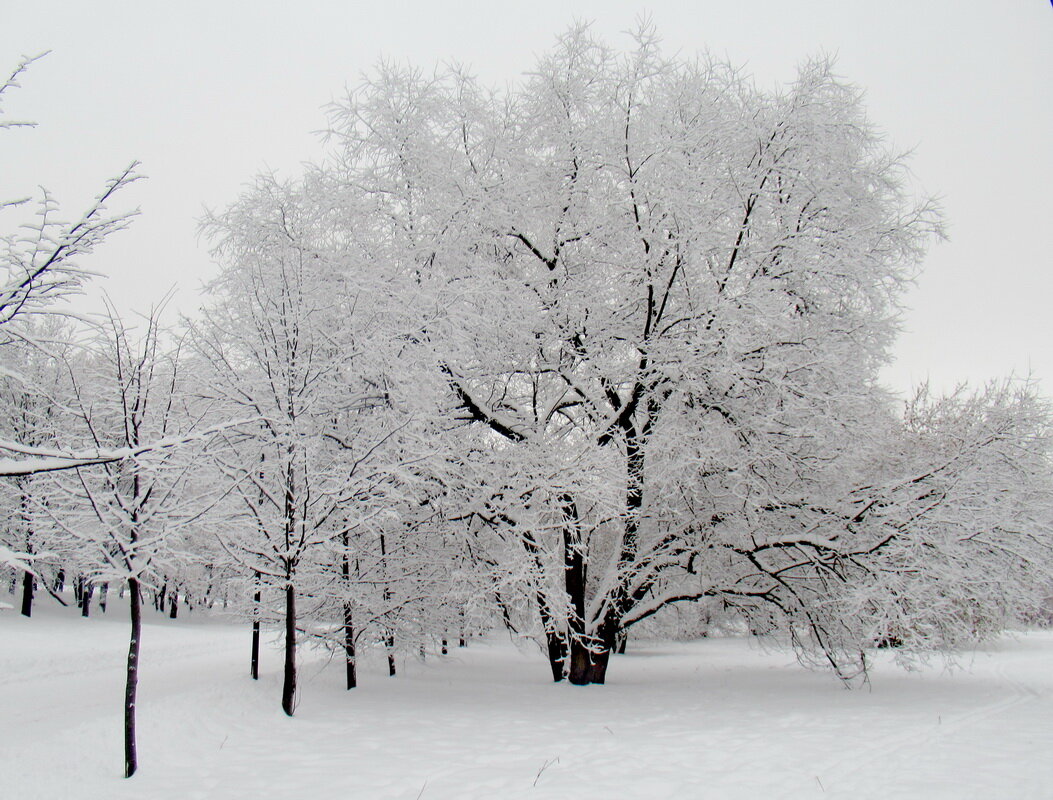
545 766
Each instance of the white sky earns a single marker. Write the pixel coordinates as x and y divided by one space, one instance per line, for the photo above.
206 94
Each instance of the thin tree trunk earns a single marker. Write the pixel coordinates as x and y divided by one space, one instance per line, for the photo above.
27 594
349 648
28 581
103 591
389 643
389 640
132 682
349 628
289 684
254 666
85 600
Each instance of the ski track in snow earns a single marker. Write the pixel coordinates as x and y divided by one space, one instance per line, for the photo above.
719 718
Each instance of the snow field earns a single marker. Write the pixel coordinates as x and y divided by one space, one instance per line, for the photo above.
717 718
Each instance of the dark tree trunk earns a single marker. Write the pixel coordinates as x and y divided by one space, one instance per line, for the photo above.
598 672
28 581
289 684
349 628
557 654
27 594
103 591
254 665
132 682
85 599
389 640
580 662
574 578
555 639
606 639
349 648
173 605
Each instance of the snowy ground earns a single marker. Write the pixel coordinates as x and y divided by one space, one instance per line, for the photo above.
719 718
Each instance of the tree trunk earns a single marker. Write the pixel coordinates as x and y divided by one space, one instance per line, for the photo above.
85 598
132 682
389 641
349 648
603 645
349 629
27 594
103 591
289 684
598 671
173 605
254 665
28 581
557 654
580 663
574 581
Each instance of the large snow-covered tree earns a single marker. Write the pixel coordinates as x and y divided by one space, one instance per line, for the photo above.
666 296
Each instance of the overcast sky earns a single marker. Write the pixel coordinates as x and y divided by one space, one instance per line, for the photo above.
206 94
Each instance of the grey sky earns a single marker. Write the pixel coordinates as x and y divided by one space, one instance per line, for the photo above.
206 94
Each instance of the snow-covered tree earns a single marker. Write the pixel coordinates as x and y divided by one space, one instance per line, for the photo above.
634 253
123 514
295 338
